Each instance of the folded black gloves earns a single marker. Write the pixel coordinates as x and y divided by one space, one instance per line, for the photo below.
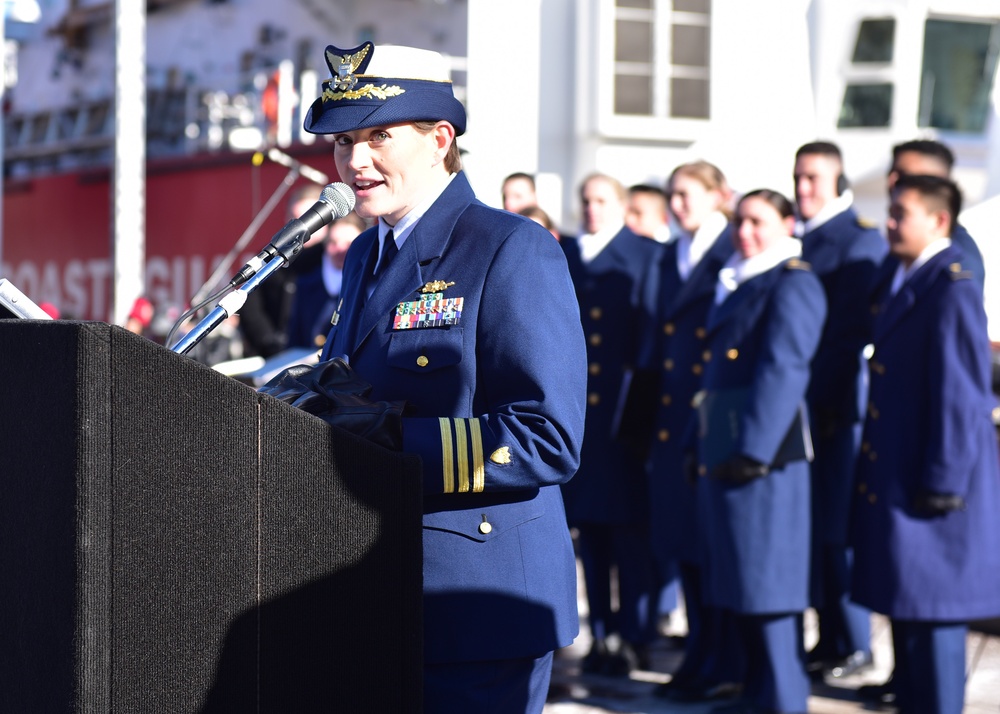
335 393
740 469
931 504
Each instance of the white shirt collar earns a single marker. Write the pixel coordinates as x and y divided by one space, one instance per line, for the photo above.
691 249
401 231
903 273
738 270
833 208
591 244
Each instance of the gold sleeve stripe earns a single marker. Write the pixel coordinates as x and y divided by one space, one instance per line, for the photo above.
447 457
462 450
478 467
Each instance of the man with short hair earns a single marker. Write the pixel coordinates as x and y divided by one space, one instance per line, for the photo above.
606 501
518 192
844 253
646 213
925 531
495 417
926 157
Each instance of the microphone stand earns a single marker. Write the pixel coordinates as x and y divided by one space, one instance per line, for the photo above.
229 305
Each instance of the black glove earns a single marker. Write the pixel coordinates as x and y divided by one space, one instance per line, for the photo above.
740 469
334 392
931 504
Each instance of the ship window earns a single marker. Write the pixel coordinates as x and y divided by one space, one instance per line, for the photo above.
866 105
662 52
875 41
960 61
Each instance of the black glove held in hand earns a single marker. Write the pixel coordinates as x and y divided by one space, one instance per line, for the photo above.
334 392
740 469
930 504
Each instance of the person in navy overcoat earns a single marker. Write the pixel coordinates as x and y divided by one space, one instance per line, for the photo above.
475 326
686 274
606 501
754 493
845 254
925 526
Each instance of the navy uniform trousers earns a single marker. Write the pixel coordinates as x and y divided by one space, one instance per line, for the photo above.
606 501
929 429
494 385
676 351
845 254
761 341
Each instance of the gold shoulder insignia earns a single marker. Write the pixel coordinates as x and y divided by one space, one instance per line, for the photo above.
435 286
501 455
955 272
797 264
866 223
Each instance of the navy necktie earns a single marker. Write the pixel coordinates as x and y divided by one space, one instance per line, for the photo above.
389 250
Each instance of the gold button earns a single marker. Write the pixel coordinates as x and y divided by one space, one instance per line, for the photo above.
706 356
668 364
865 446
595 339
595 313
872 498
665 400
862 487
594 368
319 340
663 435
702 470
872 411
872 456
593 399
422 361
668 329
485 527
732 353
877 367
696 368
700 333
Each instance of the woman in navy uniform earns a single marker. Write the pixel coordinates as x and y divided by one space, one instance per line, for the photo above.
699 201
606 501
763 331
470 318
925 525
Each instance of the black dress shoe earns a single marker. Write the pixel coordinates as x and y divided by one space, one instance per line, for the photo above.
880 693
853 663
627 658
595 661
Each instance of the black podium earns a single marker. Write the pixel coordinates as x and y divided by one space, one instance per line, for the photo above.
171 541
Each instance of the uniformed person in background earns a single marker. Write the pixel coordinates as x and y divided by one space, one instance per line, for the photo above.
754 498
700 202
926 157
845 253
493 379
606 501
647 213
925 526
317 292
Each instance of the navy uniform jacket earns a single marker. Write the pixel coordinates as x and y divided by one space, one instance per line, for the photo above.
762 337
312 308
845 254
681 341
495 409
616 305
929 427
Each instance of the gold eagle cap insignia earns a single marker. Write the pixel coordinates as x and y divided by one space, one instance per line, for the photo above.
501 455
435 286
344 66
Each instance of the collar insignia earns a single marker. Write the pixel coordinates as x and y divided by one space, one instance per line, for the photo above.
435 286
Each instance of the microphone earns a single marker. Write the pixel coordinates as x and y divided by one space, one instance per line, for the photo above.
336 201
308 172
